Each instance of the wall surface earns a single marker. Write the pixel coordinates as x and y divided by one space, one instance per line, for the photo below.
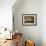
28 7
36 33
6 13
25 6
43 22
6 16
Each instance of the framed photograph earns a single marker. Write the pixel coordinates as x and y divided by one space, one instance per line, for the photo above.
29 19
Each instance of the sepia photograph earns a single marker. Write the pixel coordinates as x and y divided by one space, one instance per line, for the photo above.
29 19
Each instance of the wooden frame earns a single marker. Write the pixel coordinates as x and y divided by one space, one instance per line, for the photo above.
29 19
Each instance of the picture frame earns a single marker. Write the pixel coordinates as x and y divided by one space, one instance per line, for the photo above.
29 19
